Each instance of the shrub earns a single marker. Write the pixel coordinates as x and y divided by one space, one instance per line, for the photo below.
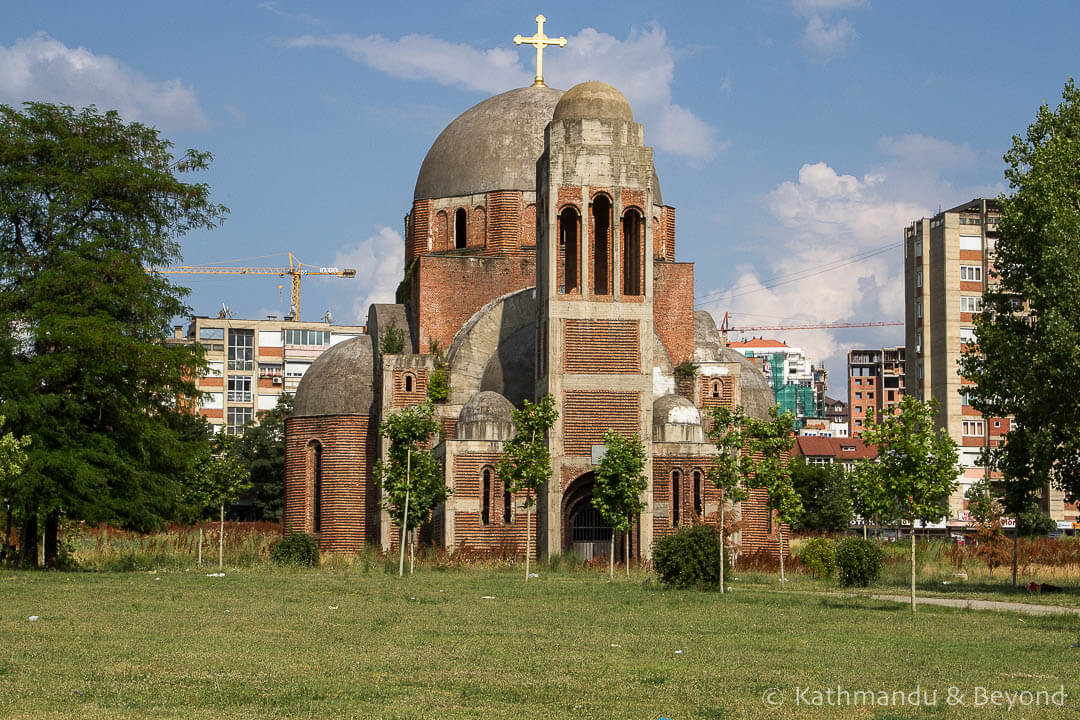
819 556
859 561
296 549
690 558
438 386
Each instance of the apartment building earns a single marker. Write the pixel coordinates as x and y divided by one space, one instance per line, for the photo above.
948 259
250 363
875 382
793 379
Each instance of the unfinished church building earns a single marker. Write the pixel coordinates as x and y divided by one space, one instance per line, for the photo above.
540 255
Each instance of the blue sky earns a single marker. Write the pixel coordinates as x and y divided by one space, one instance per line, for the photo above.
790 135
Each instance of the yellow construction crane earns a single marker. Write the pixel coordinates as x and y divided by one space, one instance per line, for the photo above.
295 271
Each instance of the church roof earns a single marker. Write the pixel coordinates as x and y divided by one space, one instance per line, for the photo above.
339 382
595 101
493 145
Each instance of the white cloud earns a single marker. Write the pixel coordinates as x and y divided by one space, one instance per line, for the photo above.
849 226
379 262
642 66
826 40
423 57
44 69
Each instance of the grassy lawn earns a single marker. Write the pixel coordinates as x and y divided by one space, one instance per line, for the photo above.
264 643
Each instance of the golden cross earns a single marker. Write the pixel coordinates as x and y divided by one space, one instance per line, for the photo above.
539 40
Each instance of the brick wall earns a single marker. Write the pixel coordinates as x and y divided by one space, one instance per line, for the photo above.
504 222
349 497
528 226
588 414
419 229
663 472
401 397
602 346
673 308
449 289
469 529
667 224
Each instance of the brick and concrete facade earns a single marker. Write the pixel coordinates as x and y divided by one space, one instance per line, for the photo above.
875 383
540 258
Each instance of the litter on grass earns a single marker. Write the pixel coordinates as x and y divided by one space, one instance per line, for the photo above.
215 574
35 618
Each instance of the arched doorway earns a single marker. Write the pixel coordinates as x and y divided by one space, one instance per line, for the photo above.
584 532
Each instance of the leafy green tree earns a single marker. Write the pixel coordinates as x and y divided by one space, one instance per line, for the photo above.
825 491
730 468
261 448
411 478
525 464
12 460
618 487
916 468
218 481
768 464
392 340
1029 328
86 202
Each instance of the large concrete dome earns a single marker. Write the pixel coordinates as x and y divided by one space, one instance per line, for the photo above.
493 145
339 382
595 101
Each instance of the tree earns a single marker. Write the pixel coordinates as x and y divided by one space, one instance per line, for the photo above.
525 464
411 478
618 487
825 492
768 453
86 202
218 481
1029 328
12 460
916 466
729 470
261 448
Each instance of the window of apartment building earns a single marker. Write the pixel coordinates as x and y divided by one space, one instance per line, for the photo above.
211 333
918 278
240 388
237 418
974 428
858 382
819 460
971 273
215 369
858 423
970 303
918 307
296 369
997 423
270 370
869 396
892 395
858 396
918 246
965 398
307 337
967 335
241 349
858 408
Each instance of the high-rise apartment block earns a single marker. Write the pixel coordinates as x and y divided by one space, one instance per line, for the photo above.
252 362
948 260
875 382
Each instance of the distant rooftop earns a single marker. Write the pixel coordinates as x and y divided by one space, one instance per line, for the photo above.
756 343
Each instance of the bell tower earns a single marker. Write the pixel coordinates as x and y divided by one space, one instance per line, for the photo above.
594 279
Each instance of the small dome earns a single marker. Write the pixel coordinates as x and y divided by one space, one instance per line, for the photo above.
675 410
487 416
755 392
339 382
594 101
493 145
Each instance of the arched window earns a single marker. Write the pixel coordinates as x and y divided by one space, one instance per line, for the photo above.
716 388
460 229
314 462
698 494
508 506
676 476
632 253
601 245
408 382
569 226
485 502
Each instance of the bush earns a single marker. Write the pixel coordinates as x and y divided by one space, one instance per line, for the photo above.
859 561
819 556
690 558
296 549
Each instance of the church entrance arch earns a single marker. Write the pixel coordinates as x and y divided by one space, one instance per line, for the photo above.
584 532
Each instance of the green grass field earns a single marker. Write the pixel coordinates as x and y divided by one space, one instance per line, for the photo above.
278 643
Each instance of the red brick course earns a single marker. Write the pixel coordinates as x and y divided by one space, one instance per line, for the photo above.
673 308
